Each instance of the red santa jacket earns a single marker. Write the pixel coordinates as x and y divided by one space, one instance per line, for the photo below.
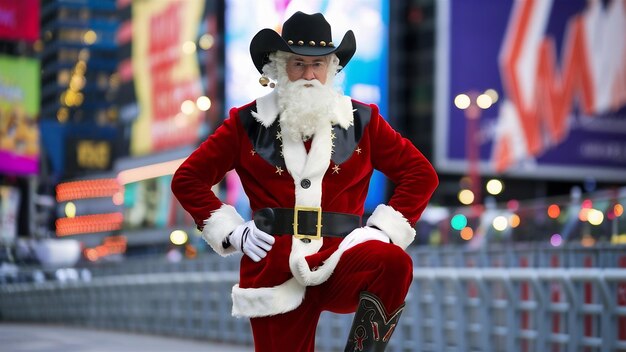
337 169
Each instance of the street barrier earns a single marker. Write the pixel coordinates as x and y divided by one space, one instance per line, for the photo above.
449 308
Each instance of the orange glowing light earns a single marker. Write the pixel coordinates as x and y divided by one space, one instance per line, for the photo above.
467 233
115 244
91 254
102 251
588 241
110 245
618 210
554 211
514 220
106 187
190 251
89 224
583 215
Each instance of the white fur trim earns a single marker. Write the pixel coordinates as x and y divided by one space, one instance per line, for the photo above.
315 165
344 112
218 226
266 109
394 224
311 166
297 263
266 301
288 296
307 277
295 156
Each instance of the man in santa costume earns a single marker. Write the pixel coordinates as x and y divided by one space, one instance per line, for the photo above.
305 154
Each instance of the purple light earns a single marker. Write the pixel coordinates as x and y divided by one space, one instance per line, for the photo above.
556 240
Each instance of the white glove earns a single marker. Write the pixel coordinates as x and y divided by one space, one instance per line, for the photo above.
363 234
251 241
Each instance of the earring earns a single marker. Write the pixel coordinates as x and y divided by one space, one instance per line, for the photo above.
264 81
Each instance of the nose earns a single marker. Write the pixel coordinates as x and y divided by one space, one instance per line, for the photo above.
308 73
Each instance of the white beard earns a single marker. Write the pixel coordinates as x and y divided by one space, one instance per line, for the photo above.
304 110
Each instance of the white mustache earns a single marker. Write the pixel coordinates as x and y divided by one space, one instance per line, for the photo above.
307 84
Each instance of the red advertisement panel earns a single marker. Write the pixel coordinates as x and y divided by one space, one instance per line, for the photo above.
19 20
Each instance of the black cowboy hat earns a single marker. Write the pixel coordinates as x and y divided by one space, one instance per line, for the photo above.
302 34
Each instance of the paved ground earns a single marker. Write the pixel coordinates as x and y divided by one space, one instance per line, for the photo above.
54 338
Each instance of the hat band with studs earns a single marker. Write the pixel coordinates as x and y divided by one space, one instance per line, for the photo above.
312 43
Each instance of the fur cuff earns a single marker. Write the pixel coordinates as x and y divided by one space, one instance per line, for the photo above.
218 226
266 301
394 224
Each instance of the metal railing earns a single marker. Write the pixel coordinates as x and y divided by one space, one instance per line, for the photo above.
448 308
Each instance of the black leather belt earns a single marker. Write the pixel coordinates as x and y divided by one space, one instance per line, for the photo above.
311 222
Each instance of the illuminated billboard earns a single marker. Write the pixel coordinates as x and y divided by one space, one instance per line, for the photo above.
19 20
532 88
365 78
19 109
149 203
166 74
9 214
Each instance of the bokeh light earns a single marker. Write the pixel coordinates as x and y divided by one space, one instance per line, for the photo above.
90 37
514 220
595 217
70 209
512 205
178 237
467 233
462 101
494 186
466 196
187 107
556 240
206 41
484 101
554 211
458 222
492 94
618 210
500 223
588 241
203 103
118 198
189 47
91 254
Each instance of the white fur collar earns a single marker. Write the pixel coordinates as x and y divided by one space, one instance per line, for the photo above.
267 111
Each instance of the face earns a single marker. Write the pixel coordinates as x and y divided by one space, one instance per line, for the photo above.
307 68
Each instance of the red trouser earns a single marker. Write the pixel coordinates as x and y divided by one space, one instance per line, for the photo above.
385 270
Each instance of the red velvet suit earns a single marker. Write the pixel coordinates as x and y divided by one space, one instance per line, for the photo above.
343 188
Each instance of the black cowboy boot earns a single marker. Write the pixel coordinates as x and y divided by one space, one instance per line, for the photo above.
372 326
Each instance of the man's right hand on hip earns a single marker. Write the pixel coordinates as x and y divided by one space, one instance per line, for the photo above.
254 243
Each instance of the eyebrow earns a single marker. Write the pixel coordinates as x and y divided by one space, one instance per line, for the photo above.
315 60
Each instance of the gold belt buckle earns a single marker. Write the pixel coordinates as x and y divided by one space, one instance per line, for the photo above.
318 233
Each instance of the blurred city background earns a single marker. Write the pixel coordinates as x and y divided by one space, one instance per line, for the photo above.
519 104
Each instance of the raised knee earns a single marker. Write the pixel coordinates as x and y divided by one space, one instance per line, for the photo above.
397 262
